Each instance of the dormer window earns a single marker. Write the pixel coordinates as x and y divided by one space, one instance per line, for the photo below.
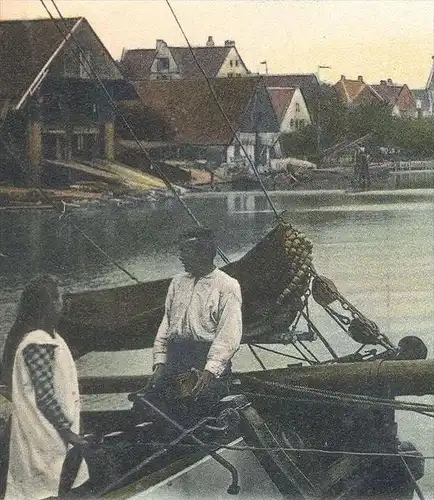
297 107
162 64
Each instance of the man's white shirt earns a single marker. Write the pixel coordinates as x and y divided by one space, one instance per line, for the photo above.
202 309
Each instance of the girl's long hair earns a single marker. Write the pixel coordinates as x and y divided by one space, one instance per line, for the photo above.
37 310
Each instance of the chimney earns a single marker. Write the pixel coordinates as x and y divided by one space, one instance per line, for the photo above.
210 42
360 78
229 43
389 81
161 44
342 78
382 82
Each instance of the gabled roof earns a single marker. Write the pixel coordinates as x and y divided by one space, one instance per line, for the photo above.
210 59
25 48
189 107
389 93
136 64
30 49
281 98
307 83
353 91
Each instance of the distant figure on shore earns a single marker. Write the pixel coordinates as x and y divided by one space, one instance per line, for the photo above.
362 176
41 376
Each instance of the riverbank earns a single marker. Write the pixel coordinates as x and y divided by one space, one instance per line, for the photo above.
34 198
95 194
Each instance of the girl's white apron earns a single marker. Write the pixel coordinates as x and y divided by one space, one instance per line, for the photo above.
36 451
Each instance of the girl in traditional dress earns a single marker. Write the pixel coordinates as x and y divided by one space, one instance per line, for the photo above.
42 379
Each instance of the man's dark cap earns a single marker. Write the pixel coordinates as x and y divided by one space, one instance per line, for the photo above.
199 234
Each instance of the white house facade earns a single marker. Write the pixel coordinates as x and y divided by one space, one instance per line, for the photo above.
290 108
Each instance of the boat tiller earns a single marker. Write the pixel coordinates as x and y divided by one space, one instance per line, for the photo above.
234 487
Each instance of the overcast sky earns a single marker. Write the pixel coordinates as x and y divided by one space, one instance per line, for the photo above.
375 38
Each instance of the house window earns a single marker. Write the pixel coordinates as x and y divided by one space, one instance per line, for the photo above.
163 64
291 123
230 75
236 62
231 63
297 107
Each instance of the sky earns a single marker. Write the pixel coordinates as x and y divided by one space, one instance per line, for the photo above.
377 39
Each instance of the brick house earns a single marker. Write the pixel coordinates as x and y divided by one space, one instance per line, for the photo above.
356 92
399 97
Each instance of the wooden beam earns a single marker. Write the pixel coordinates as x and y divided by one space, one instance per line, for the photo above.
112 384
404 377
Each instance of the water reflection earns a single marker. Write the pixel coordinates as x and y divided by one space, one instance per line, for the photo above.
377 244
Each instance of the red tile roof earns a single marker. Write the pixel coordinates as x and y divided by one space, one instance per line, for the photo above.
389 93
280 98
25 47
190 109
307 83
353 91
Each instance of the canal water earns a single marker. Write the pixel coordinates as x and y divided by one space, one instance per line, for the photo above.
377 247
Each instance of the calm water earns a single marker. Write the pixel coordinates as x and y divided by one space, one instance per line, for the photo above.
377 247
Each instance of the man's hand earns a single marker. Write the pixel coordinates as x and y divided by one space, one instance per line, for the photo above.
203 383
70 437
157 376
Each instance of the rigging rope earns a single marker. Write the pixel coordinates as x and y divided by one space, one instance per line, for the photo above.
413 479
279 353
297 450
291 400
125 121
344 397
117 111
61 212
323 452
256 356
222 111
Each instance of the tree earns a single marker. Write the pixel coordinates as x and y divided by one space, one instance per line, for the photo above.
375 119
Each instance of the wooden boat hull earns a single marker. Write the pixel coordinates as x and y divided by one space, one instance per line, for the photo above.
301 424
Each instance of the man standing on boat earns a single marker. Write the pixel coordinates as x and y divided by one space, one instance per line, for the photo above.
202 323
